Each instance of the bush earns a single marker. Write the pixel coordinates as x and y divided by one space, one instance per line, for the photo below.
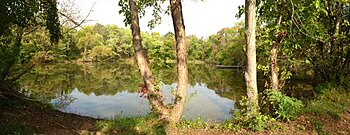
281 106
256 122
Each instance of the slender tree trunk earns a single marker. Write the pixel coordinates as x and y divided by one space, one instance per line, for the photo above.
336 50
274 55
346 64
85 52
250 73
68 49
336 28
181 53
154 96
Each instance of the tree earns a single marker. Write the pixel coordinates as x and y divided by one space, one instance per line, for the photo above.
313 31
181 54
154 95
18 19
120 40
250 72
276 14
102 30
274 51
87 39
173 115
226 46
194 48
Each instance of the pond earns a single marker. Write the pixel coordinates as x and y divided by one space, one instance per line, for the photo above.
104 90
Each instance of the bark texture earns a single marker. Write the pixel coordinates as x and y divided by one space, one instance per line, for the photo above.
154 96
250 72
274 55
181 53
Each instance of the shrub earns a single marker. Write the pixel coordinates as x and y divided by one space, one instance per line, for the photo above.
283 107
256 122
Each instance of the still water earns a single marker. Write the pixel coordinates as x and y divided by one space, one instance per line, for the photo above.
104 90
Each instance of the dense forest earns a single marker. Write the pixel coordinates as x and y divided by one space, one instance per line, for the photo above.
298 51
110 43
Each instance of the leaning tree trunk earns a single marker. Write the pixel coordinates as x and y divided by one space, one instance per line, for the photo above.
154 96
181 53
250 73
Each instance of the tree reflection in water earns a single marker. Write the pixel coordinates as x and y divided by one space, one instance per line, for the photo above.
62 100
55 83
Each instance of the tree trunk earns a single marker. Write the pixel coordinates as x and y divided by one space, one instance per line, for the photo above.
250 73
68 48
181 53
154 96
346 64
336 50
85 53
274 55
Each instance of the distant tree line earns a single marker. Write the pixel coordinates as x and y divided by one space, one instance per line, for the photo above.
95 43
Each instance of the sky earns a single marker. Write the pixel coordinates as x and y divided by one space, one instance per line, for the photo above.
202 18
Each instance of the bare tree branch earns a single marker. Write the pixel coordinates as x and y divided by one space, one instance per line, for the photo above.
77 24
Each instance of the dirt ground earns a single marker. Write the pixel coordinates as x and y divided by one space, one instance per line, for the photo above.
337 126
41 119
38 118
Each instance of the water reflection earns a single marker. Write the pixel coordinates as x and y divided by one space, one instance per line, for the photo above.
106 89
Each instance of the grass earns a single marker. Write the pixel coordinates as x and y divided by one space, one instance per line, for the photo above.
319 126
140 125
332 102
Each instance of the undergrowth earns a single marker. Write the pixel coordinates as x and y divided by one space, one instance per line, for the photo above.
149 124
281 108
275 107
331 101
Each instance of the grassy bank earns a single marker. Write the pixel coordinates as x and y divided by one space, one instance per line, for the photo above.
327 113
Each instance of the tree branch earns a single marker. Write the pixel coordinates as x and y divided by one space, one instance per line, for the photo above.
77 24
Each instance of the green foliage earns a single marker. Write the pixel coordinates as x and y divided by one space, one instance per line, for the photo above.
18 18
159 49
225 47
87 39
319 127
283 107
245 118
102 53
24 13
332 101
196 124
153 5
120 40
141 125
92 42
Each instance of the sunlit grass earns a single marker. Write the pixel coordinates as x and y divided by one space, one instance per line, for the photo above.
149 124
